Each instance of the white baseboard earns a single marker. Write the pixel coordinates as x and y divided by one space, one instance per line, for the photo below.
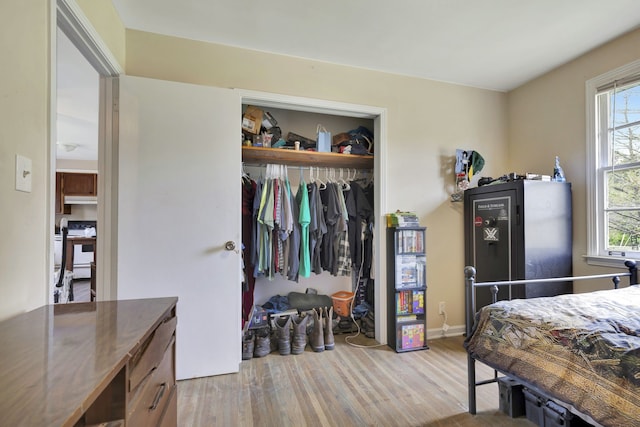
453 331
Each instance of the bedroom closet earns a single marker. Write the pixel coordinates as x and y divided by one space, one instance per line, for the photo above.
283 256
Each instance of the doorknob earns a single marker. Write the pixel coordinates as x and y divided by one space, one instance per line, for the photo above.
230 245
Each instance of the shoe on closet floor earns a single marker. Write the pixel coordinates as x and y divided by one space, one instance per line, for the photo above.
299 334
283 330
262 342
329 341
247 345
317 334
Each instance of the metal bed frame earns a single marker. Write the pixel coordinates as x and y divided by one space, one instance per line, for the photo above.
470 307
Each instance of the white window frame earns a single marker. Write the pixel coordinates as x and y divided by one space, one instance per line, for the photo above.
596 253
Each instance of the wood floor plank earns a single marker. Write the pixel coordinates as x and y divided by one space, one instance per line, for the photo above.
349 386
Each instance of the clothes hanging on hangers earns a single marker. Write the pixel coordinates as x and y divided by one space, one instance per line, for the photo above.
312 230
248 194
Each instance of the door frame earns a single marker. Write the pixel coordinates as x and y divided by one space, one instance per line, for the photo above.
69 17
379 116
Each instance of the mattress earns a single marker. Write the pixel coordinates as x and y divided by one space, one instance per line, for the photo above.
581 349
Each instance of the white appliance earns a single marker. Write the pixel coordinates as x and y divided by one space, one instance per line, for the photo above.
82 254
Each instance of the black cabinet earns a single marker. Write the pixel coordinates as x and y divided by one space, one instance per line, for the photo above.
407 289
519 230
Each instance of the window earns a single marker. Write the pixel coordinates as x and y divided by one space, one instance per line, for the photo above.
613 154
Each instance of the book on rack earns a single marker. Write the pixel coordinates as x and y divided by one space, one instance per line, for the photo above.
409 302
407 318
417 302
406 273
411 241
412 336
402 219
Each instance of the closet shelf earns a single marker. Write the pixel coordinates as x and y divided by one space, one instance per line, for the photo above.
261 155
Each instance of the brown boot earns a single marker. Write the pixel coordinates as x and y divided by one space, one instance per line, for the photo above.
317 335
329 342
283 331
299 341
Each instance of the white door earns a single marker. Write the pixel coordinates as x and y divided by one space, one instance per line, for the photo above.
178 204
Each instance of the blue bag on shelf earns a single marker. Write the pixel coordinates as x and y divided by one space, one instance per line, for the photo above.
324 140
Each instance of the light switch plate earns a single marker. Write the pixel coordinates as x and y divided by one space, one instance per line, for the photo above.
23 173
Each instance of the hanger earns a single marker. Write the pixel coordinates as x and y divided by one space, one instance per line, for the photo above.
345 185
245 175
322 185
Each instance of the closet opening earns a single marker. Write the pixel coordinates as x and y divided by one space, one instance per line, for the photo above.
345 200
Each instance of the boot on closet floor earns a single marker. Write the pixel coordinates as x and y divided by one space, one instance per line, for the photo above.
262 345
317 334
329 341
283 329
299 334
247 345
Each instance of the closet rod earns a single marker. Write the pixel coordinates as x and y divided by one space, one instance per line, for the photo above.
320 168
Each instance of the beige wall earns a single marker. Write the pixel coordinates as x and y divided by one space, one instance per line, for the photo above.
427 121
104 18
24 123
547 118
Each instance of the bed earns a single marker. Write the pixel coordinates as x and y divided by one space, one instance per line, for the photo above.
581 351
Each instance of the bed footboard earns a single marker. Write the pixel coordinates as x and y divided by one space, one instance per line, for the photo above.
470 306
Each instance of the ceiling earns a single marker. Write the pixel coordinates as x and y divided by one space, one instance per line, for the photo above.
490 44
77 103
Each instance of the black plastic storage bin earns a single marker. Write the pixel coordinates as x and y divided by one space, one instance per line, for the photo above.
511 397
559 416
534 406
555 415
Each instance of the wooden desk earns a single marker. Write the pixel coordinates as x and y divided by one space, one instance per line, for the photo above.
72 241
90 363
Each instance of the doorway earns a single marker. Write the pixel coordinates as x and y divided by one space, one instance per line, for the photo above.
76 162
85 74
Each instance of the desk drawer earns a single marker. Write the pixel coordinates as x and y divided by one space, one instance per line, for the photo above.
150 402
151 353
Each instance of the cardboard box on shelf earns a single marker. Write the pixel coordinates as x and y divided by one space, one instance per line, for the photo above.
252 119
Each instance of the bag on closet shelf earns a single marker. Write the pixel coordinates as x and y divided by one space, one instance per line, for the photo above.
324 140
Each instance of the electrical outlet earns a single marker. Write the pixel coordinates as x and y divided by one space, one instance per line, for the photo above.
441 307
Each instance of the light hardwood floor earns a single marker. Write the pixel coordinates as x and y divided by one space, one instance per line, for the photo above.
348 386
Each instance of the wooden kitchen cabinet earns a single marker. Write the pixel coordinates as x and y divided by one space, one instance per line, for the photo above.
108 363
59 196
79 184
74 184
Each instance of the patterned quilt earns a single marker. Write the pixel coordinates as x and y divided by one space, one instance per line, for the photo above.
582 349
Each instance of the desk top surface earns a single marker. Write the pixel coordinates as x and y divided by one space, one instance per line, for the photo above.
55 360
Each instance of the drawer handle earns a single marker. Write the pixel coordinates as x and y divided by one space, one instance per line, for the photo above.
158 397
